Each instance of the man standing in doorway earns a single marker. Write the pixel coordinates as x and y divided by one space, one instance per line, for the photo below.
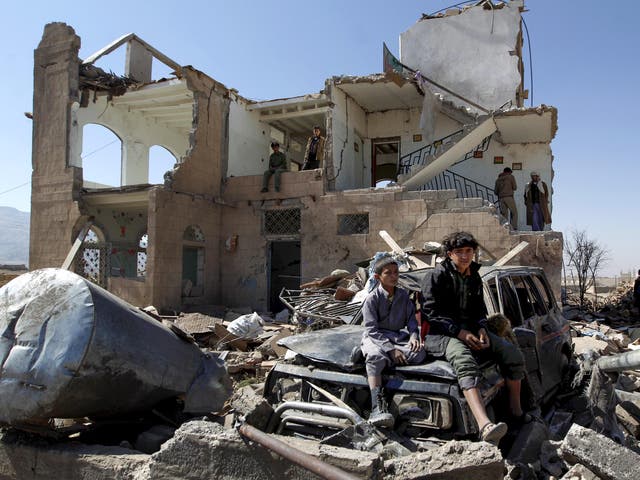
536 198
504 188
314 152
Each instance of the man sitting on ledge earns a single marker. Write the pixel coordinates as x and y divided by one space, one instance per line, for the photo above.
277 165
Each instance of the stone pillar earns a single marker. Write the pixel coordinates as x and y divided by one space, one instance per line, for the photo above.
55 186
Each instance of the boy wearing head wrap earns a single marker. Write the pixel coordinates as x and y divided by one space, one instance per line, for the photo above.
391 335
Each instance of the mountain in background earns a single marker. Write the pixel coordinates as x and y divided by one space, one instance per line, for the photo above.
14 236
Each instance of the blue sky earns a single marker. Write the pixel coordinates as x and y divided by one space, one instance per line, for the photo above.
585 63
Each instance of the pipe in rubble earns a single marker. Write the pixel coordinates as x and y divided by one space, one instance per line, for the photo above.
320 468
621 362
330 410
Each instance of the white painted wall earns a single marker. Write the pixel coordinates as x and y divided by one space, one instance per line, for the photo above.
249 141
468 53
348 125
532 156
137 133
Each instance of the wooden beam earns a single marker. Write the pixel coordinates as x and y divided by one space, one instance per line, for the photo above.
75 248
512 253
396 248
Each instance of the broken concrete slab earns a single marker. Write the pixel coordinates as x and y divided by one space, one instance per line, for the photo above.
454 460
582 345
22 456
254 408
601 455
206 450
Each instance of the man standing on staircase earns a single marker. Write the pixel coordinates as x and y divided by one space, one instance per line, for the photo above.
504 188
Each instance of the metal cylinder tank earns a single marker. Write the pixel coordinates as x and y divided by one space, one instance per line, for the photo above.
69 348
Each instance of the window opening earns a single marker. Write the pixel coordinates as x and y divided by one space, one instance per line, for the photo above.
93 258
510 303
543 290
282 222
193 233
385 157
141 264
101 157
161 161
353 224
530 304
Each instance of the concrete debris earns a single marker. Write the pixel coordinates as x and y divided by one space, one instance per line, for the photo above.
604 457
454 460
251 407
580 472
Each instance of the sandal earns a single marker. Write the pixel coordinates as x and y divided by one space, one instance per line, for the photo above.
493 432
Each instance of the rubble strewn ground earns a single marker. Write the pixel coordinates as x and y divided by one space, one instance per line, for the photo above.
573 440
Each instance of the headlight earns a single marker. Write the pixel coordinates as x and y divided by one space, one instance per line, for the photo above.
422 411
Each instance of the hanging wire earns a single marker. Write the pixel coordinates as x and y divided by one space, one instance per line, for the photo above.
530 62
15 188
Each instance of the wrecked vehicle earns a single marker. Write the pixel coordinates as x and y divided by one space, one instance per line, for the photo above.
425 399
70 349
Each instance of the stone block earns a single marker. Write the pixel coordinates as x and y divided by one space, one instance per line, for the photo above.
455 203
580 472
601 455
454 460
473 202
206 450
254 408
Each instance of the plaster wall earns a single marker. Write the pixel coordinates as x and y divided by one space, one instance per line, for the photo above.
448 50
349 125
136 132
249 141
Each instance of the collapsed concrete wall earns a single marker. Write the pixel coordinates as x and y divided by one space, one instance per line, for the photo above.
475 52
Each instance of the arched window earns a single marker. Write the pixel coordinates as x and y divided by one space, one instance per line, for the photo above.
92 257
101 157
193 262
142 256
161 161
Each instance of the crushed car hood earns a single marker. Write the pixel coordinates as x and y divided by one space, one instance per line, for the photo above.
332 345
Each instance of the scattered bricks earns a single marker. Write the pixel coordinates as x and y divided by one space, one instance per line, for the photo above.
527 445
454 460
580 472
603 456
254 408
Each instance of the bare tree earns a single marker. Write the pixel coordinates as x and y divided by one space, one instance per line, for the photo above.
585 256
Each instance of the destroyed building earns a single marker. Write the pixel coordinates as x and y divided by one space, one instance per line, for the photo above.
208 235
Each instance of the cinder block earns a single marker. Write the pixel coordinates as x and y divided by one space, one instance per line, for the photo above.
599 454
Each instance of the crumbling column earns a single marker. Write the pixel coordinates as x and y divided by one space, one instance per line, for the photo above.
55 185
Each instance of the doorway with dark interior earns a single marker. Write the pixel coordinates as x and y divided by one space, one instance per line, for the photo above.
284 270
384 161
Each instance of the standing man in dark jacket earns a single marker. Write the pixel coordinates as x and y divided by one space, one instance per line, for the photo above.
536 198
314 152
636 292
454 307
504 188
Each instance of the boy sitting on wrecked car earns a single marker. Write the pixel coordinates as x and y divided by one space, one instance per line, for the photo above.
455 309
391 334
